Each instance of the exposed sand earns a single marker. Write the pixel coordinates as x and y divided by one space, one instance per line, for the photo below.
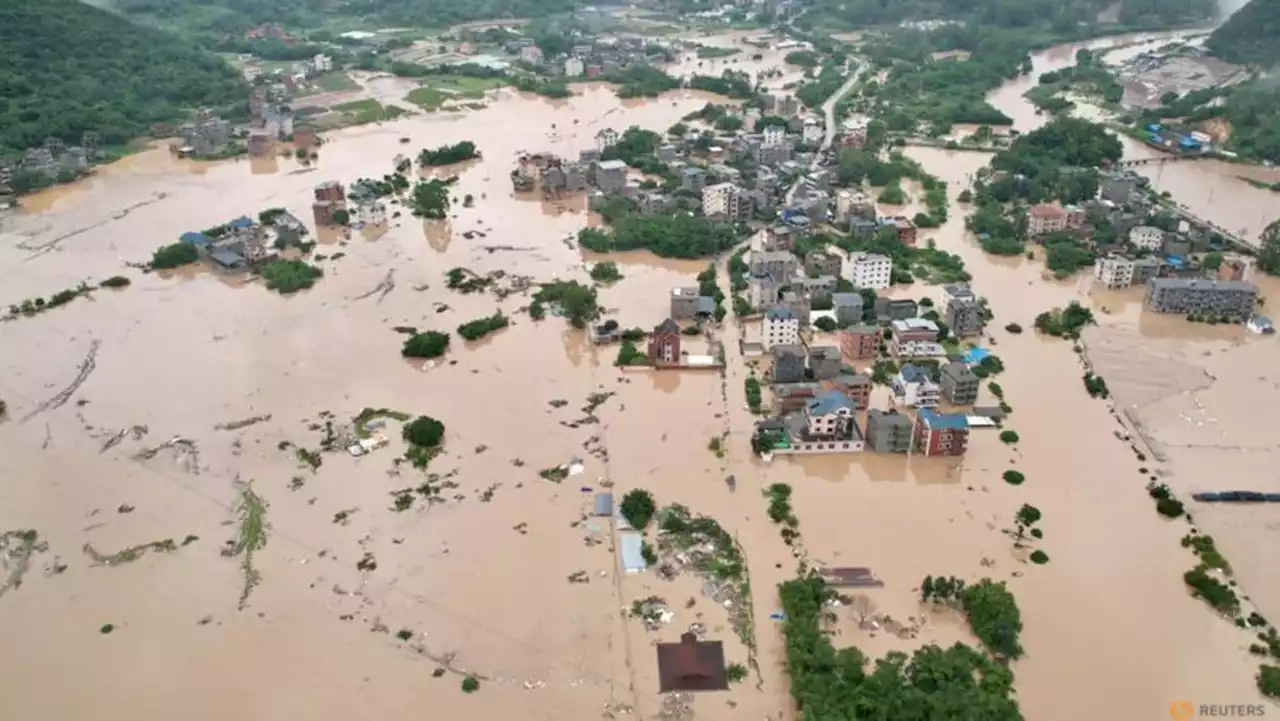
1110 631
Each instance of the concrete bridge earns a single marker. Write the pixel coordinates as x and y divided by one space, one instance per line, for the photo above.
1161 160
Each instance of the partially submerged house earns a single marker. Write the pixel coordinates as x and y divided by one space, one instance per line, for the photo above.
692 665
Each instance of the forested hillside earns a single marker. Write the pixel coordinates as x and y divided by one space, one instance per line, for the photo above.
236 16
67 68
1063 17
1251 36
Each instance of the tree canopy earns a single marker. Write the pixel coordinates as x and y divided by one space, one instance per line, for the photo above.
1251 36
675 236
67 68
958 683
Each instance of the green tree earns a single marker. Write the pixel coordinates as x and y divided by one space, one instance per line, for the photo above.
994 617
341 216
1212 260
172 256
448 154
429 344
424 431
638 508
578 301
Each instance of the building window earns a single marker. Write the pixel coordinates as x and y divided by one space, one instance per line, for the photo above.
846 445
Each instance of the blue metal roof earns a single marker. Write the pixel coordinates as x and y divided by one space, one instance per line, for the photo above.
227 258
195 238
240 223
942 420
914 373
829 402
779 313
976 355
630 549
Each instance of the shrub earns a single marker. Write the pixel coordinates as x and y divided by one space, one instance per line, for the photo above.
1269 680
1214 592
115 281
638 508
424 431
1014 478
735 672
605 272
172 256
430 344
1039 557
825 324
480 327
1009 437
470 684
1169 507
289 276
1013 328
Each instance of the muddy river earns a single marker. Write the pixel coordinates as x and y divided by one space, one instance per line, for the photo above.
476 580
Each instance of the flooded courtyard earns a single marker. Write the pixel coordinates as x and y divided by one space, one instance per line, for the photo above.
473 578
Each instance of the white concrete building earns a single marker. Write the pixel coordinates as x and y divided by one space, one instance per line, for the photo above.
322 63
868 270
1114 271
813 132
773 136
913 388
573 67
606 138
1146 237
780 327
720 199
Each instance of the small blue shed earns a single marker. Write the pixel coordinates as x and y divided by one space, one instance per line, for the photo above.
195 238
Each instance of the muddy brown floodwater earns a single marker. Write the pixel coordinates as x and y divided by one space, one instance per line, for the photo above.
479 578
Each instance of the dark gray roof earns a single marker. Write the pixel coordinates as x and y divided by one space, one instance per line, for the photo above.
1204 284
667 326
787 349
839 299
958 371
825 352
226 258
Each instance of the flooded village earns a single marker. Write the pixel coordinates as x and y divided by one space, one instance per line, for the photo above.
770 403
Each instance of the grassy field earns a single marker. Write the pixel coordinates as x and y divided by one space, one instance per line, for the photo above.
336 82
438 89
368 111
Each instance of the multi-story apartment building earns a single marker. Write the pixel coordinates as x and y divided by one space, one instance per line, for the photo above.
940 434
869 270
888 431
1146 237
913 387
860 341
1233 299
1045 218
1114 271
780 327
959 384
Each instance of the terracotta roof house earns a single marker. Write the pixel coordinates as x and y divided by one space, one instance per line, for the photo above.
691 665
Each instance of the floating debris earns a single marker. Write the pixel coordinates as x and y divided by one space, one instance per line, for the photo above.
237 425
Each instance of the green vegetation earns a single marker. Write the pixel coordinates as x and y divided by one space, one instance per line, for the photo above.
780 512
547 88
448 154
1096 386
638 507
368 414
1166 504
70 69
818 91
424 435
1064 255
753 394
251 537
1087 76
708 52
892 195
106 628
133 553
1014 478
605 272
481 327
1248 37
673 236
575 300
115 281
1039 557
641 81
363 112
1207 551
1064 322
735 673
959 683
804 58
1009 437
173 256
731 83
1212 591
470 684
924 263
1269 680
630 355
430 344
430 198
289 276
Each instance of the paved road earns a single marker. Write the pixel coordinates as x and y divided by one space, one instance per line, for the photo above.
829 111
